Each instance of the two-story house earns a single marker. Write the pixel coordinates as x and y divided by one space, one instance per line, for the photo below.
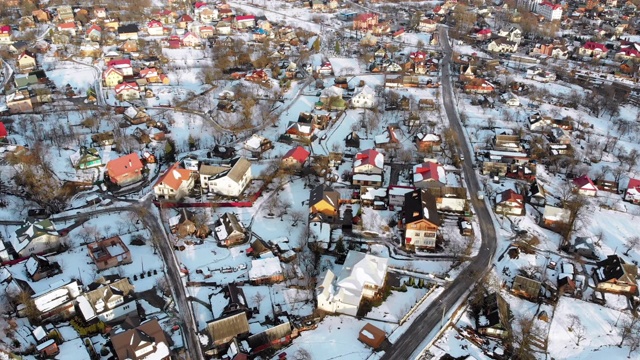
35 238
421 220
226 180
174 184
108 299
368 168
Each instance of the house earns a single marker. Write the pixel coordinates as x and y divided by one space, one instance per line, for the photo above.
112 77
39 267
324 203
206 32
26 62
613 275
223 330
550 11
365 21
65 13
389 139
396 195
103 139
35 237
372 336
509 202
86 158
585 186
266 271
585 247
70 28
190 39
127 91
227 180
208 15
237 301
593 49
125 170
427 25
136 115
501 45
632 194
483 34
93 33
174 184
19 102
184 21
5 34
56 302
155 28
526 288
223 27
428 174
362 277
479 86
421 220
368 162
274 337
494 317
229 230
555 217
428 142
352 140
108 299
365 98
109 252
146 341
245 22
257 145
126 32
295 158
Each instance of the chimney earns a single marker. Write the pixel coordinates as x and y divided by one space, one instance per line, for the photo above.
130 164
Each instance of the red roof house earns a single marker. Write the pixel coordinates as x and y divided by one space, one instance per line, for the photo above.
3 131
633 191
295 158
428 174
125 169
510 202
585 186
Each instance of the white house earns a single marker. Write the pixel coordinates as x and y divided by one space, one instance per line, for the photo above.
366 98
585 186
35 238
57 300
550 11
362 275
501 45
226 180
174 184
109 301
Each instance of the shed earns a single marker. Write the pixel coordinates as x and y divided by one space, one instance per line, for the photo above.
372 336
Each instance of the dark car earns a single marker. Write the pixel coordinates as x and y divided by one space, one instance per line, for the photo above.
38 213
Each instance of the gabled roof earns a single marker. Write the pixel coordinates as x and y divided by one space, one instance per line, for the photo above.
428 171
299 153
369 157
591 45
614 268
150 334
33 230
124 165
324 192
584 182
228 327
420 204
174 177
110 70
239 167
126 86
510 196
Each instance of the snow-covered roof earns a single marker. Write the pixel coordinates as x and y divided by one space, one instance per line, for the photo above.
369 157
264 268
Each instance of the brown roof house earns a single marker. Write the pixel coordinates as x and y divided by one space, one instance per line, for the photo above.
109 299
324 204
147 341
613 275
526 288
421 220
38 267
509 202
266 271
230 231
223 330
494 318
109 252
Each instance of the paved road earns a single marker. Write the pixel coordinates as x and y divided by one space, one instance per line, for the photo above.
151 222
409 342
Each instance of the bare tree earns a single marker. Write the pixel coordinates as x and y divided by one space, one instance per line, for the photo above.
631 243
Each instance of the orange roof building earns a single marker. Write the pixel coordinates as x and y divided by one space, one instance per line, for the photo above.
125 170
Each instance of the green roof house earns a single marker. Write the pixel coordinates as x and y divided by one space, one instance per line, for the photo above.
36 237
86 158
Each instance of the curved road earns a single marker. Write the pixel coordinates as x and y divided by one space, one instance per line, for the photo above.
407 345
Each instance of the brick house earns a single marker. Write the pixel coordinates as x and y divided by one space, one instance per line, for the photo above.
109 252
